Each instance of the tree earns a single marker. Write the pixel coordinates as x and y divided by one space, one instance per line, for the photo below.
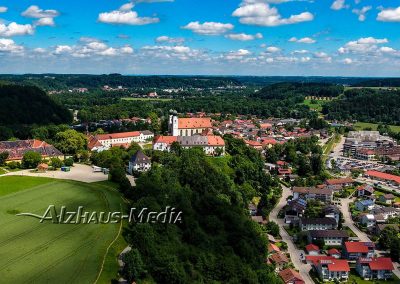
387 235
70 142
134 267
69 162
56 163
3 158
176 148
272 228
31 160
155 124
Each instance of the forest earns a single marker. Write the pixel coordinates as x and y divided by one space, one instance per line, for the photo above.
216 241
366 105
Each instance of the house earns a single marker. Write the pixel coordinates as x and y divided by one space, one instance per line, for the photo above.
330 270
291 276
380 227
103 142
325 223
254 144
328 237
294 210
387 212
324 195
312 249
387 198
332 211
272 248
365 190
314 259
188 126
279 259
139 162
212 145
375 268
354 250
364 205
368 220
334 253
17 149
342 182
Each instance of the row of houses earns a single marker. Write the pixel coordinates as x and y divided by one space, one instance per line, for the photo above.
17 149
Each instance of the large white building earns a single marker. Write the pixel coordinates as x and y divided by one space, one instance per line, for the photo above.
188 126
103 142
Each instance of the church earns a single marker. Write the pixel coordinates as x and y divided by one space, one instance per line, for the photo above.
188 126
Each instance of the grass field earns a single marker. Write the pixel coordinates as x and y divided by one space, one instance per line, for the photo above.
317 105
33 252
374 126
147 99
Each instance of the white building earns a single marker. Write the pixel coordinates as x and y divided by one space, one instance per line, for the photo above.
103 142
139 163
368 220
188 126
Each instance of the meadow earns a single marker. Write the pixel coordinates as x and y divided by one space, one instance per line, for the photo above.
374 126
34 252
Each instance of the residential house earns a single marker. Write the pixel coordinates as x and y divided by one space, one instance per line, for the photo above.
307 224
272 248
312 249
291 276
365 190
294 210
355 250
332 211
324 195
328 237
139 162
387 198
367 220
387 212
375 268
364 205
330 270
334 253
17 149
383 177
342 182
280 260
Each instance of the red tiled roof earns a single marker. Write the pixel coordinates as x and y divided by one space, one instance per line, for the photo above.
214 140
269 141
379 263
333 251
312 247
253 143
118 135
273 248
339 181
279 257
356 247
166 139
184 123
383 176
339 265
291 275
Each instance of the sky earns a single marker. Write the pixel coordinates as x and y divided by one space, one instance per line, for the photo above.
201 37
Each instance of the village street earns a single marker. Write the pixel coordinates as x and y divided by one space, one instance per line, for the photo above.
292 249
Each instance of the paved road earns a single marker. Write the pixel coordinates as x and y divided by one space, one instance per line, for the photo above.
293 251
348 221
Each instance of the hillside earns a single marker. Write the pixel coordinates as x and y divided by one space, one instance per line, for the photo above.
29 105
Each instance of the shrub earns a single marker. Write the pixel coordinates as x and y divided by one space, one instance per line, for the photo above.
69 162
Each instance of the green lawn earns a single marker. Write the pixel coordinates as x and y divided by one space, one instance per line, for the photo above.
147 99
2 171
315 104
374 126
34 252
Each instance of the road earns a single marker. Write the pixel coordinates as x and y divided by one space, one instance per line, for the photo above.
292 249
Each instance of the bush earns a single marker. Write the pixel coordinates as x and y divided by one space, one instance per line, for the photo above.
14 165
56 163
31 160
69 162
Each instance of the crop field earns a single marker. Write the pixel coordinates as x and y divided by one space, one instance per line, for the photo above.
34 252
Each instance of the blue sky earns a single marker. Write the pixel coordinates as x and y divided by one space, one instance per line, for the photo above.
207 37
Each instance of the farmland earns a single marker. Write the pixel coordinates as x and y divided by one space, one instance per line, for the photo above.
34 252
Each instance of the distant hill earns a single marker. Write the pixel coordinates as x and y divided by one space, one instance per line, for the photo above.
29 105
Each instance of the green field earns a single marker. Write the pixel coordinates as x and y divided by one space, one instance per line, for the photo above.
374 126
34 252
315 104
147 99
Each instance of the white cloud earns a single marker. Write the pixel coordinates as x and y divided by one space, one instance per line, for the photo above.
272 49
302 51
170 39
362 12
8 45
60 49
40 50
338 5
362 45
126 16
3 9
126 50
35 12
389 15
87 48
45 22
307 40
208 28
323 56
261 14
14 29
244 37
348 61
237 55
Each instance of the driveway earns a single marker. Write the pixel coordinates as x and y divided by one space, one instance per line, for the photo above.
292 249
78 172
